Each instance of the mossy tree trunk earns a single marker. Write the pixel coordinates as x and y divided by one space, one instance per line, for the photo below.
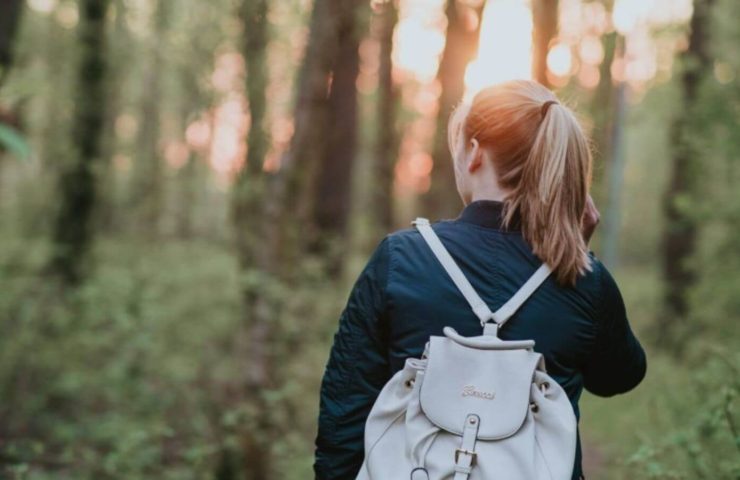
10 15
255 253
148 192
681 229
386 148
73 229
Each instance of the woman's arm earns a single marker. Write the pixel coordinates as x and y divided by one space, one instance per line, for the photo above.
356 372
618 362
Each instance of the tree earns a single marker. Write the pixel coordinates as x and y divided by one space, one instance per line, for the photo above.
333 177
545 20
461 45
148 194
10 14
255 255
680 231
311 110
386 148
608 110
73 230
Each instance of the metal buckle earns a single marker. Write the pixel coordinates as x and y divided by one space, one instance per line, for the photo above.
459 451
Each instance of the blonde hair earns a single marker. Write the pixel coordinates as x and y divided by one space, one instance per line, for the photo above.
542 156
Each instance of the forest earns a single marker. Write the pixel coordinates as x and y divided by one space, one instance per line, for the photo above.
189 189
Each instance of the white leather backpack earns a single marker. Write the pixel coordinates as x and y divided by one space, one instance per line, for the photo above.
472 408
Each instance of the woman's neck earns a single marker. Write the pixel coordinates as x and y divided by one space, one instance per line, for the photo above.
489 192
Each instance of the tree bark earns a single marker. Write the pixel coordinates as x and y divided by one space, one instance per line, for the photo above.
603 101
148 191
609 112
460 47
615 166
386 148
308 144
10 15
120 47
680 234
545 28
288 193
73 232
333 178
254 249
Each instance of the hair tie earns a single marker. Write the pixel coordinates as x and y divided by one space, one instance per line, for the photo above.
546 106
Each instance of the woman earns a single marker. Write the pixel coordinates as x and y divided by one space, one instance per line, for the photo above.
522 168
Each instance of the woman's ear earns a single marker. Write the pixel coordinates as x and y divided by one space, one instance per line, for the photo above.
476 156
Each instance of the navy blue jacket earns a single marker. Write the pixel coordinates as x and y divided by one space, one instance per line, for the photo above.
403 296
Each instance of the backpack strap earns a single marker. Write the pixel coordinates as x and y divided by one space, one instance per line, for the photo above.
479 307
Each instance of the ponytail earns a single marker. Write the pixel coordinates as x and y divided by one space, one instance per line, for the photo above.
542 157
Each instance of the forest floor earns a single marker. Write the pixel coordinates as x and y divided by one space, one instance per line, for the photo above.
594 459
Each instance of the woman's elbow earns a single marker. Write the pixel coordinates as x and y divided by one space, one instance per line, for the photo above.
610 383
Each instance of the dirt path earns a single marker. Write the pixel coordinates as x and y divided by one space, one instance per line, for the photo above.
594 459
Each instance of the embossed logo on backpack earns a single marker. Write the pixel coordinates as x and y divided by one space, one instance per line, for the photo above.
470 391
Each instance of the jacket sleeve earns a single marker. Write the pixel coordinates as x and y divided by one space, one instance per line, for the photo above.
618 362
357 369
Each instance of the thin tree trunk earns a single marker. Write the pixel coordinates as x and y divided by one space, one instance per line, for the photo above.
386 149
602 106
679 237
73 232
616 164
333 178
148 191
545 28
608 109
120 48
10 15
254 249
460 47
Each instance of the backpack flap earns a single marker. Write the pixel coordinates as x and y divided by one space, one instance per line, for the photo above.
492 383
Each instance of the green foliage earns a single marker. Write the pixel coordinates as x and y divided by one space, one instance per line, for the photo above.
138 373
116 379
682 423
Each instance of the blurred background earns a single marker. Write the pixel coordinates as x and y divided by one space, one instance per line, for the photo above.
188 190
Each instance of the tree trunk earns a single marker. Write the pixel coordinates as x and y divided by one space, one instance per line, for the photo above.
333 178
608 110
290 196
386 149
679 237
545 27
254 248
10 14
120 48
148 191
308 144
463 31
73 232
602 106
615 166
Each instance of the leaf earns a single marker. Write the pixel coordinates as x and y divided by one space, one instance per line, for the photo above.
14 142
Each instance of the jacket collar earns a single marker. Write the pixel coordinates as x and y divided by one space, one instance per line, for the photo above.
486 213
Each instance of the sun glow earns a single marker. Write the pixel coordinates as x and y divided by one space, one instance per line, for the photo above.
505 51
420 38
